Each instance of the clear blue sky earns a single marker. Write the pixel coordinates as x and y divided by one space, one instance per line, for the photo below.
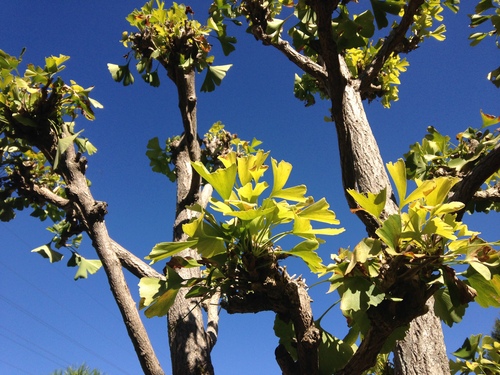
49 321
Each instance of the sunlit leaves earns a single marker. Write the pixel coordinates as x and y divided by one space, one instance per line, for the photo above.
222 180
372 203
489 120
478 355
256 214
158 295
121 73
487 10
164 250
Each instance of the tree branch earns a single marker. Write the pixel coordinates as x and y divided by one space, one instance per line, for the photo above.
392 44
465 190
257 14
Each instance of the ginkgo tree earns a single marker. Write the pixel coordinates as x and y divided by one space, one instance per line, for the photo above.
228 248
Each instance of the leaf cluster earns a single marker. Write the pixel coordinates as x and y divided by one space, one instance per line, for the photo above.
172 38
478 355
37 120
436 155
422 249
487 12
239 252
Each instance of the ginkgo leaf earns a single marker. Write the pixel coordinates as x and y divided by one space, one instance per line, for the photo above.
439 194
390 233
214 77
281 173
62 146
372 203
159 294
361 252
222 180
489 120
305 250
398 175
85 266
166 249
439 227
47 252
423 188
319 211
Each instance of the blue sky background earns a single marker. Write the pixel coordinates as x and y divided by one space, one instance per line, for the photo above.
48 321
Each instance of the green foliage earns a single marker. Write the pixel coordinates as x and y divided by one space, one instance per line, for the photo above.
487 10
478 355
246 244
437 156
427 239
40 102
174 40
160 159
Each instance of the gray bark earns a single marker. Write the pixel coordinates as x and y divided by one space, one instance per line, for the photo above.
189 344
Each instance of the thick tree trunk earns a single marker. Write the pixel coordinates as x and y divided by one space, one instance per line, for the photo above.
423 350
189 344
363 170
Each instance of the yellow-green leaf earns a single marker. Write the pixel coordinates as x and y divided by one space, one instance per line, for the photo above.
222 180
318 211
372 203
489 120
166 249
423 188
398 175
439 194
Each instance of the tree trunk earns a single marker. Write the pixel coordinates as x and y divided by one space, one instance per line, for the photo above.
189 345
363 170
423 350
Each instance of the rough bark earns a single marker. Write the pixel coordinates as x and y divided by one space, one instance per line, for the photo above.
364 171
189 345
274 290
420 352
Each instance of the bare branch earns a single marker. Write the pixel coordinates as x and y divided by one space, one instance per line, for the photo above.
133 264
391 45
491 195
48 196
303 62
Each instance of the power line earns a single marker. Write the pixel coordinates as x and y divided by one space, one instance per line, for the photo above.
14 366
62 306
31 349
60 333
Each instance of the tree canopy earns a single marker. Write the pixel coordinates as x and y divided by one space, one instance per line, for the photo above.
423 238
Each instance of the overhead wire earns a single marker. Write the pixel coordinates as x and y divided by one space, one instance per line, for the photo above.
60 333
38 351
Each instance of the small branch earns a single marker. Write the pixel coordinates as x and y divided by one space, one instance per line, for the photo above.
48 196
491 195
391 45
301 61
133 264
259 22
465 190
